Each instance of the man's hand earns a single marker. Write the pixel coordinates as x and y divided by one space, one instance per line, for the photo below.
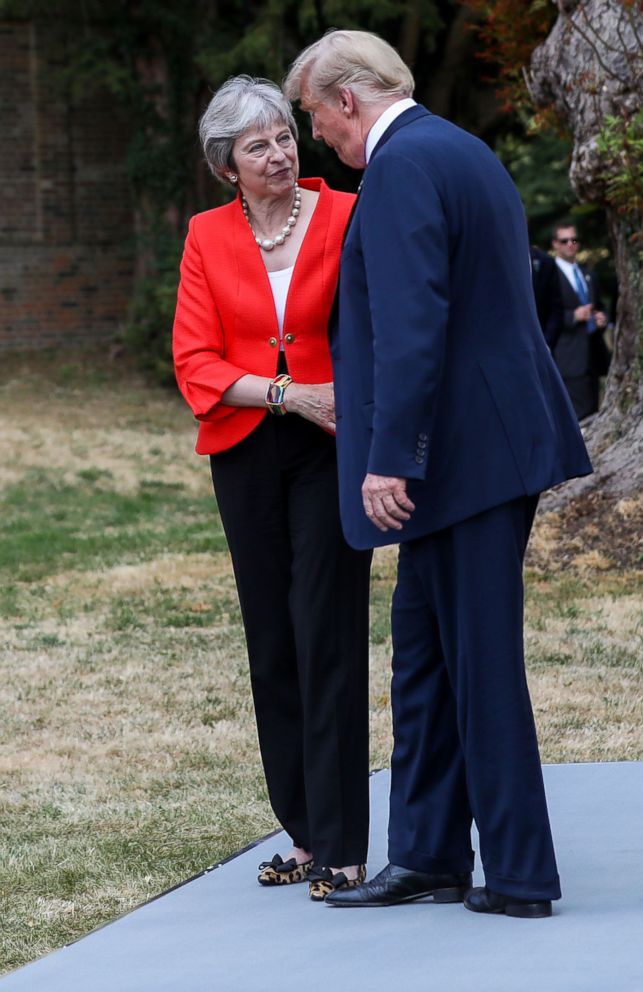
385 501
601 319
582 314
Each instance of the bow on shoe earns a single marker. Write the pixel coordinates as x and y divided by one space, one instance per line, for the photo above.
279 865
325 875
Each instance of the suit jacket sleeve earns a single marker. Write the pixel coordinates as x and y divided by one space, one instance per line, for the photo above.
553 323
406 258
594 290
198 337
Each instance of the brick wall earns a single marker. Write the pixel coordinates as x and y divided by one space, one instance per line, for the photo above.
66 256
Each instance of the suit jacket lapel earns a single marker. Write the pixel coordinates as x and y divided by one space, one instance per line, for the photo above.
253 291
351 214
332 319
408 117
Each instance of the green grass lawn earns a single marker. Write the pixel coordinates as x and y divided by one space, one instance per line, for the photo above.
129 755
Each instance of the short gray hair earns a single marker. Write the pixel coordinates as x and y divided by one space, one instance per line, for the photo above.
357 60
240 104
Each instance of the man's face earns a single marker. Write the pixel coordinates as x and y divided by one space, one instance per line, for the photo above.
566 243
336 121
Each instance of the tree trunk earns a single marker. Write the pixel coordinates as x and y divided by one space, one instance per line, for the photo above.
591 67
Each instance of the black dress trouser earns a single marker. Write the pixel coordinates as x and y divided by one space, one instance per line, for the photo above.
583 392
304 600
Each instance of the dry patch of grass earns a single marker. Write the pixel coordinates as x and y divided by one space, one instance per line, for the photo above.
584 653
596 531
129 756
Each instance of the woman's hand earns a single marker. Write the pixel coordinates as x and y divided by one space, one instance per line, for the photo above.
315 403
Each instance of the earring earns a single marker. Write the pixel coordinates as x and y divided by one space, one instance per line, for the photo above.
233 178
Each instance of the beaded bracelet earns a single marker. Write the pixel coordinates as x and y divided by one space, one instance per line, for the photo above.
275 394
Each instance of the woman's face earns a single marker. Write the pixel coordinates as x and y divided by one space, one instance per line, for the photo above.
266 161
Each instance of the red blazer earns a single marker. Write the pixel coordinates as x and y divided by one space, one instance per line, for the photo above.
225 324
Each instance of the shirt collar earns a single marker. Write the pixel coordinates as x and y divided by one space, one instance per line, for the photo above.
570 270
383 122
565 266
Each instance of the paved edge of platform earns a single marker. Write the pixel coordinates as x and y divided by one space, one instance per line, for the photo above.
165 892
232 857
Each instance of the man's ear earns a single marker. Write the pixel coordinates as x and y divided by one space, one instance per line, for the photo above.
347 103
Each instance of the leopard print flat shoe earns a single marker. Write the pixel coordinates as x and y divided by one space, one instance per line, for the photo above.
280 872
322 882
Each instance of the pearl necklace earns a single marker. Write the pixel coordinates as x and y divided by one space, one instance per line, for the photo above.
267 244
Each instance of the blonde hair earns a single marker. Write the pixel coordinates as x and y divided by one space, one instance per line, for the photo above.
359 61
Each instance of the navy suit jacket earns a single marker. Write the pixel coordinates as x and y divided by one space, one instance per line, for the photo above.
442 374
578 353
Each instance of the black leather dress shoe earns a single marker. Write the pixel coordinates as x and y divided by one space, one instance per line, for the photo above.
394 885
483 900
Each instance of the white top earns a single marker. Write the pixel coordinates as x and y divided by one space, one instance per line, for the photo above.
383 121
280 284
567 268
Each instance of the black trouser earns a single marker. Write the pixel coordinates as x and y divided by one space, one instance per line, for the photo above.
583 392
304 601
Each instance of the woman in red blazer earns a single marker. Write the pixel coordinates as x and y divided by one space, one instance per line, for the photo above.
258 279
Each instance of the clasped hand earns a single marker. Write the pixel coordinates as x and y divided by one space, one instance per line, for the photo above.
584 312
314 402
385 501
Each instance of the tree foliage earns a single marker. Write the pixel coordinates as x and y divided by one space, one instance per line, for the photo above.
620 144
539 165
161 59
509 31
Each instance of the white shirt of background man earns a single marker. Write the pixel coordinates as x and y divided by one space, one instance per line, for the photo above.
567 268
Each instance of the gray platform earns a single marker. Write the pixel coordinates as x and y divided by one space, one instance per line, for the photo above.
223 933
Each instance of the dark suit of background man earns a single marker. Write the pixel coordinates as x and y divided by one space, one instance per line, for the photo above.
451 419
580 352
549 299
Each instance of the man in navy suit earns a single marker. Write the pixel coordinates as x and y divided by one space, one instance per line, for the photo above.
451 419
580 352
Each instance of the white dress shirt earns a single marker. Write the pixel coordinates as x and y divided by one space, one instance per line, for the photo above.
383 121
280 284
567 268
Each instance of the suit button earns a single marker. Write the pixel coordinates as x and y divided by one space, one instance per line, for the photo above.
272 342
423 437
419 459
289 338
421 445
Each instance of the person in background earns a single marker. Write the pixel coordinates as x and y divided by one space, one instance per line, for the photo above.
580 352
252 360
549 300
